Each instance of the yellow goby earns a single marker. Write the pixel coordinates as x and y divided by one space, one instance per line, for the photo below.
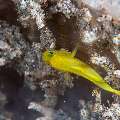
66 62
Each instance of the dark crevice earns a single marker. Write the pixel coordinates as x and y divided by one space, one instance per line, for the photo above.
10 83
65 31
106 98
8 11
82 90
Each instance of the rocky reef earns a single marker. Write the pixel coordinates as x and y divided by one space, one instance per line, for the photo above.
32 90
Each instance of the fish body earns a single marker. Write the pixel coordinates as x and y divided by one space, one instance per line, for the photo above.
65 62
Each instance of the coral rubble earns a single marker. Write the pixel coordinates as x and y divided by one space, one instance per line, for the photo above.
29 27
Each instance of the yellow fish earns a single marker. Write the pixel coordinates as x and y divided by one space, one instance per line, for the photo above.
65 61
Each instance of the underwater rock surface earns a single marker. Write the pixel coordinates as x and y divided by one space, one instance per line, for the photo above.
110 6
32 90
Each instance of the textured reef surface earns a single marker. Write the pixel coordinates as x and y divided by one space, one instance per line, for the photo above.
32 90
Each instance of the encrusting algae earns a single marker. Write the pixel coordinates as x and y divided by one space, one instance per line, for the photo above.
66 62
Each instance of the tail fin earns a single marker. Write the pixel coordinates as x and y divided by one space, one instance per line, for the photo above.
116 92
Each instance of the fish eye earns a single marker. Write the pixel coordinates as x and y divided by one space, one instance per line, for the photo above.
51 52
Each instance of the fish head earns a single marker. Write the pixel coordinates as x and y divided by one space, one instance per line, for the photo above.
47 55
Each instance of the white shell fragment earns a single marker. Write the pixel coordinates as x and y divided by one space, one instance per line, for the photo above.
2 61
117 73
116 39
87 17
89 37
4 45
116 45
99 60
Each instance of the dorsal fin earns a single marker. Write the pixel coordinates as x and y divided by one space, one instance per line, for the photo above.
75 51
